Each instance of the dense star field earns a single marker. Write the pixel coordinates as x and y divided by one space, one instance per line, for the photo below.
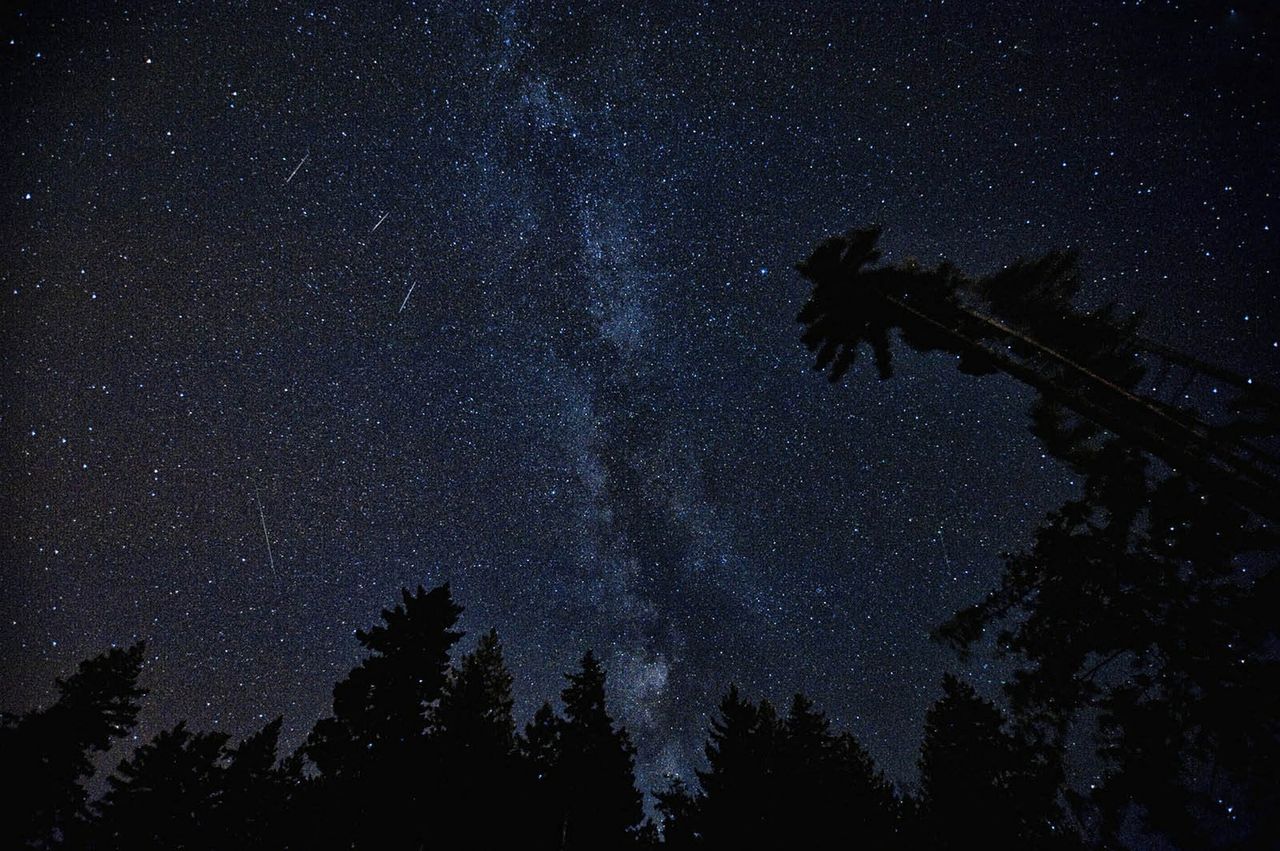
304 304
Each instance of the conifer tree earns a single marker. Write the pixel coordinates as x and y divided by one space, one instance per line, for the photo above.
255 804
596 769
475 713
48 752
167 794
828 785
373 754
679 808
781 783
474 738
738 785
981 786
539 751
1145 608
191 790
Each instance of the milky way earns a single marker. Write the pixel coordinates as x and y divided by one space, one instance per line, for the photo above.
304 304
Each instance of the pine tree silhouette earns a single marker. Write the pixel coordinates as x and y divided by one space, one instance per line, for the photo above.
738 785
256 806
539 749
190 790
828 785
1146 607
474 737
980 786
166 795
374 754
679 809
595 772
1022 321
49 752
777 784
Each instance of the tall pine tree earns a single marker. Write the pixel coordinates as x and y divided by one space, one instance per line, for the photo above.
599 805
373 754
168 794
780 783
474 739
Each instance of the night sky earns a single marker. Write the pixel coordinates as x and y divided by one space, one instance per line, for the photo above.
504 296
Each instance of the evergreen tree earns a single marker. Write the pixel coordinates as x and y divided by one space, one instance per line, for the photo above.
1147 605
738 785
49 752
539 751
540 744
828 784
373 754
680 808
475 740
803 775
256 804
475 714
596 769
980 786
167 795
190 790
862 799
778 784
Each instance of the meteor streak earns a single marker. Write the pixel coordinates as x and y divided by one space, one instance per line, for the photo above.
406 297
298 166
271 559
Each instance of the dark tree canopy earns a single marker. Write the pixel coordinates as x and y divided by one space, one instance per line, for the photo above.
373 749
1147 604
980 785
49 752
1086 365
474 742
781 783
459 776
596 766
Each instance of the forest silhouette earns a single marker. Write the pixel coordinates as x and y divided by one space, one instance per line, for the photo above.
1140 622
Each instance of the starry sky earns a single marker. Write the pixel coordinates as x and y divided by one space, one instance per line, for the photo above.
502 294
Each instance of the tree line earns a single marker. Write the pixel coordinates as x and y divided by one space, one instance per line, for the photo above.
421 752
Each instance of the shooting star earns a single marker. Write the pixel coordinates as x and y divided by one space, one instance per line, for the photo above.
406 297
380 221
271 559
298 166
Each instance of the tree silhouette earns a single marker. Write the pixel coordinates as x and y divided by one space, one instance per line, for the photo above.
828 785
774 783
475 709
1022 321
592 777
166 795
737 785
373 754
474 738
980 785
256 790
1147 604
539 749
442 767
679 809
190 790
49 752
